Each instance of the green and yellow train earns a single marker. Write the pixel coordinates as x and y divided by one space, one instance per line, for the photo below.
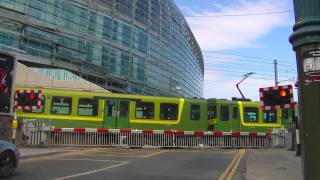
83 109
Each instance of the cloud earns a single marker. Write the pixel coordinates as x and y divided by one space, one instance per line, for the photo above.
228 32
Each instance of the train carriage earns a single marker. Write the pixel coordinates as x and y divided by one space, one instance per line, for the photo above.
244 116
72 108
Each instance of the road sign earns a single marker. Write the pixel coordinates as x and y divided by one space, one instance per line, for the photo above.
280 97
27 99
7 72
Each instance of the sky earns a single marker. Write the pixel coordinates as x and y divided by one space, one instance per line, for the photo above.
235 40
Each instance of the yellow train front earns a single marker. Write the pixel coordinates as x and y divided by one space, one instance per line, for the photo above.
83 109
245 116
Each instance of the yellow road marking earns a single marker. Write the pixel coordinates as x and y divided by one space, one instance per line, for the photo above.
93 171
235 167
224 174
232 167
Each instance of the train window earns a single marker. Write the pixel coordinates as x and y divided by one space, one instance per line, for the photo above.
212 112
224 113
88 107
270 116
250 114
144 110
124 108
235 112
169 111
110 107
61 105
195 112
41 110
285 115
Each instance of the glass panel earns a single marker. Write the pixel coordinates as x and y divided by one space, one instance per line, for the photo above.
124 108
88 107
110 107
235 112
224 113
270 116
195 112
61 105
251 114
169 111
144 110
212 112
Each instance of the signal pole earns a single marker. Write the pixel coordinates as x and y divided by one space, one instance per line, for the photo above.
276 82
305 41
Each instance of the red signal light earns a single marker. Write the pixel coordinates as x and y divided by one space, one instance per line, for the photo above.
31 96
283 93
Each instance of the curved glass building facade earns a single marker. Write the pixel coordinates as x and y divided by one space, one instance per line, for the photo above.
132 46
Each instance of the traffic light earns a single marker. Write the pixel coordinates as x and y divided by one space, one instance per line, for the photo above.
28 99
280 97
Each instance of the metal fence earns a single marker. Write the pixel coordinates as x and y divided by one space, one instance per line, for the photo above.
153 138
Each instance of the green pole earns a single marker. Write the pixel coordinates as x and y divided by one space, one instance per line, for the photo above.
305 41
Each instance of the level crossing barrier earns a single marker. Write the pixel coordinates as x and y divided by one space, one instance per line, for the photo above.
148 138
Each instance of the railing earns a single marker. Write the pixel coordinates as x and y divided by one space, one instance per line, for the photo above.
149 138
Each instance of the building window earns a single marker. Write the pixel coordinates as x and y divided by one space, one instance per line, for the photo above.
88 107
251 114
41 110
195 112
224 113
235 112
61 105
144 110
168 111
212 112
270 116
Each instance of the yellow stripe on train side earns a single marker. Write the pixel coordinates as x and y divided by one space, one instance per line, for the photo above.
260 121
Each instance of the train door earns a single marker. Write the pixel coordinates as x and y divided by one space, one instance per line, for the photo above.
117 114
234 125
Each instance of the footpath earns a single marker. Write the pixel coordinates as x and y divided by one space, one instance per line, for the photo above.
273 164
44 151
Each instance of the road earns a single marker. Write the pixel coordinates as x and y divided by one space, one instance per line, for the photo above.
140 164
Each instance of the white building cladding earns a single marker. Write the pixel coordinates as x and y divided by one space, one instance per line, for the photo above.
134 46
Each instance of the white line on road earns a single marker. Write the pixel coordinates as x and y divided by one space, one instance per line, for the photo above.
94 171
97 160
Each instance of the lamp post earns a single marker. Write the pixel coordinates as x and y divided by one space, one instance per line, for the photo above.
305 41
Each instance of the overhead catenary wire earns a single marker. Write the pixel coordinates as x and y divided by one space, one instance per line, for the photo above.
243 66
253 59
238 15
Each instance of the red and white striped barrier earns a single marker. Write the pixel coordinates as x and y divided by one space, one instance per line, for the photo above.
148 138
130 131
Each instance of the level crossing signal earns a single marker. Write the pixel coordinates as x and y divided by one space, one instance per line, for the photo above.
28 99
280 97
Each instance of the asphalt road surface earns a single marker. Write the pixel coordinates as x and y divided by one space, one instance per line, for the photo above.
135 164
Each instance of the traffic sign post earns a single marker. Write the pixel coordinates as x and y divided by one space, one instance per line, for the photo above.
305 41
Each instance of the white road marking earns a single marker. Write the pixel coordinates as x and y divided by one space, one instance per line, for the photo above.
94 171
96 160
